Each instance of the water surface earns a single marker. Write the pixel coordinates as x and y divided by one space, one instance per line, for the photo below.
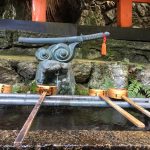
69 118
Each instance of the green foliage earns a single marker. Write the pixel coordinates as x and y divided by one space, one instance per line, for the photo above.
108 83
81 90
137 89
33 87
16 89
146 90
139 67
134 88
126 61
25 88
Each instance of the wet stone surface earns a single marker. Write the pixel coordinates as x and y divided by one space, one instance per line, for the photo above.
80 139
73 128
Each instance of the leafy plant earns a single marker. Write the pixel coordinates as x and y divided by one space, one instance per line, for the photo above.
137 89
108 83
16 88
134 88
81 90
33 87
146 90
25 88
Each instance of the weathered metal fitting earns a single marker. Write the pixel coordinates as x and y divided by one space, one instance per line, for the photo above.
56 40
60 52
42 54
63 48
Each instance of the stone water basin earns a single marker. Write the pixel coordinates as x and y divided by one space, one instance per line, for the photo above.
73 128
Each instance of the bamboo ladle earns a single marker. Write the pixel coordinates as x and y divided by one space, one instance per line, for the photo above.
5 88
43 90
122 94
103 95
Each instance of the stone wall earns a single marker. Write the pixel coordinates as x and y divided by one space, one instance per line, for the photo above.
104 13
87 12
15 9
18 63
91 74
87 71
118 50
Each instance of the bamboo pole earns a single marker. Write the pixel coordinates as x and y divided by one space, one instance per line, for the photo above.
124 113
23 132
140 108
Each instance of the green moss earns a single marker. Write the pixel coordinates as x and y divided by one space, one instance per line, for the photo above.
17 58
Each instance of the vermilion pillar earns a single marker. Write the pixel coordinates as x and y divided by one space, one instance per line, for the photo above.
124 13
39 10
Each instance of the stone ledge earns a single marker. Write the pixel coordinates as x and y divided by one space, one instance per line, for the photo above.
72 139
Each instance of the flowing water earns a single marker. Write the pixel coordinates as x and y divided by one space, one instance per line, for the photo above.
69 118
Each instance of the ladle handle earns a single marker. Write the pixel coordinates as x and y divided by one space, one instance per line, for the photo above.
28 123
124 113
140 108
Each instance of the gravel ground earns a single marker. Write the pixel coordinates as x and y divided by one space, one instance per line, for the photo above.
83 139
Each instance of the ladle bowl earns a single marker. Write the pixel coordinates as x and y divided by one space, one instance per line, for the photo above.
117 93
97 92
5 88
51 90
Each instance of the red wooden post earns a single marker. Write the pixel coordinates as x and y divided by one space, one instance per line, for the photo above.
39 10
124 13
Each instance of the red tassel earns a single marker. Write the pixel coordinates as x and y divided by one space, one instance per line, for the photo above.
104 49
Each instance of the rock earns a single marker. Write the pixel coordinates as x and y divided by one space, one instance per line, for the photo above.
142 9
5 39
82 71
15 10
144 76
119 74
141 15
118 50
108 75
26 70
111 15
92 15
99 75
7 74
10 12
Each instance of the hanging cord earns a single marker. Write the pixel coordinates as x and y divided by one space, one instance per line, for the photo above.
104 49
